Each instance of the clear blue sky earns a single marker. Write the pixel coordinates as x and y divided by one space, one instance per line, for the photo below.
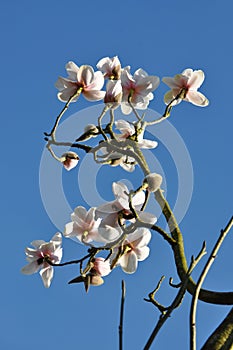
163 37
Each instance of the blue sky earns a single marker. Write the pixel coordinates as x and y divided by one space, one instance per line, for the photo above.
37 40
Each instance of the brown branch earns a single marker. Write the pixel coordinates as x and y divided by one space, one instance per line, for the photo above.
200 281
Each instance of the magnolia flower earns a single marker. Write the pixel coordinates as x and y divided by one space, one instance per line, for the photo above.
83 78
110 67
187 83
128 130
109 212
100 267
135 249
113 93
153 182
38 258
70 160
83 226
138 88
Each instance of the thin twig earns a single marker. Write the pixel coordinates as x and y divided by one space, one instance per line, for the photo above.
200 281
166 312
123 291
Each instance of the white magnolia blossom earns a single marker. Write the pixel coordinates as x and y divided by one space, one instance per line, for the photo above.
136 249
189 81
110 67
138 88
37 258
109 211
83 226
128 130
113 93
82 77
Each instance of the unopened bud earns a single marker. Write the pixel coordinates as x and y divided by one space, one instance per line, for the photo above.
153 182
70 160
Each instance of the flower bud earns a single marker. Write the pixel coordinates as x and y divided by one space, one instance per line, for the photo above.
113 93
89 131
70 160
153 182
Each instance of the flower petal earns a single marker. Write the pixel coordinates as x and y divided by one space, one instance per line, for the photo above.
31 268
47 276
196 79
197 98
129 262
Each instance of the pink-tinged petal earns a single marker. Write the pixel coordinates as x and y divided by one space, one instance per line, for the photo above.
102 266
47 276
94 95
140 237
127 80
147 217
125 127
90 216
187 72
129 262
147 84
142 253
97 83
65 95
72 70
197 98
104 64
196 79
31 268
85 75
32 254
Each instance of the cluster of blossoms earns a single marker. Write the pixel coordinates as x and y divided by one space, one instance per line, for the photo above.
121 226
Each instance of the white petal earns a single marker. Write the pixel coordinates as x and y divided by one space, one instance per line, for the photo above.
197 98
47 275
31 268
72 70
37 243
85 75
129 262
94 95
147 217
142 253
196 79
147 144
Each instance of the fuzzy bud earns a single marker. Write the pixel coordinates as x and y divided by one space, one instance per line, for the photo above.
153 182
